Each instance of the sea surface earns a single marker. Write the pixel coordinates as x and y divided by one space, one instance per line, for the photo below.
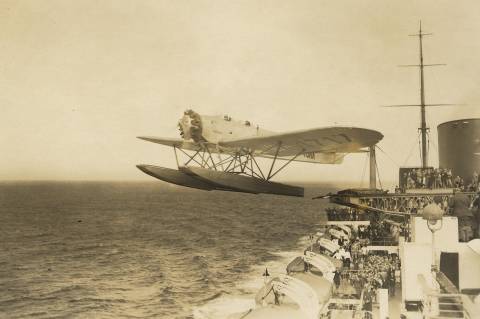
143 249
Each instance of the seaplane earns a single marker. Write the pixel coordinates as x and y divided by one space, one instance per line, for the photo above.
238 144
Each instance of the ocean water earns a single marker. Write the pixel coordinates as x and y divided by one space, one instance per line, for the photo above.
142 250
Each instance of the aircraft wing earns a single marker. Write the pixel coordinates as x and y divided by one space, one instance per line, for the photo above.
176 142
335 139
316 158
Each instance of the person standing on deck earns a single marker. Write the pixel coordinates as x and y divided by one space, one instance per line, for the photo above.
431 178
391 280
347 258
336 279
364 251
449 178
460 204
438 179
367 300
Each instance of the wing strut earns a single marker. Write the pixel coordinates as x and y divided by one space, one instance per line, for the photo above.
240 163
274 160
258 167
245 163
223 161
210 157
233 161
284 165
176 156
192 158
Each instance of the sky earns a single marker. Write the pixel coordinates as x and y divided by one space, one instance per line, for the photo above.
79 80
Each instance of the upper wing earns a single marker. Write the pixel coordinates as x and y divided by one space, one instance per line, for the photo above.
322 158
176 142
335 139
317 158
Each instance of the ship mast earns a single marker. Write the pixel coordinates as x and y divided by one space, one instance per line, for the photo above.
423 126
423 123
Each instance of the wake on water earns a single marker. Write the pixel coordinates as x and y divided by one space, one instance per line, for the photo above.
224 305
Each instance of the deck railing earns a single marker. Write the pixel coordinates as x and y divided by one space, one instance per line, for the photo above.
401 204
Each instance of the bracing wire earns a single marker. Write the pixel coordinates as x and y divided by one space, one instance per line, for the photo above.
434 145
410 152
388 156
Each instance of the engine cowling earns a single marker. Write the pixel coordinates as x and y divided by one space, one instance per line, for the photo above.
190 126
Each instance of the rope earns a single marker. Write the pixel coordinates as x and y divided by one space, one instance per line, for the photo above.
434 145
389 157
410 153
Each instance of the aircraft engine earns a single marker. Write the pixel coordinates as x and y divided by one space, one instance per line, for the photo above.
190 126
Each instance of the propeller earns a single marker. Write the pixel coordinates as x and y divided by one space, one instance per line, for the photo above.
190 126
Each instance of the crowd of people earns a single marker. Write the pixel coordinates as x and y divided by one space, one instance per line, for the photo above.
344 214
466 207
377 232
375 271
410 203
429 178
438 178
380 233
363 270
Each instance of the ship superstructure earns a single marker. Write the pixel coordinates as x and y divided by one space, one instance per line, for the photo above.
429 223
410 253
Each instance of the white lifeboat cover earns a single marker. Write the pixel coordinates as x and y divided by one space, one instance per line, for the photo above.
328 244
474 244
